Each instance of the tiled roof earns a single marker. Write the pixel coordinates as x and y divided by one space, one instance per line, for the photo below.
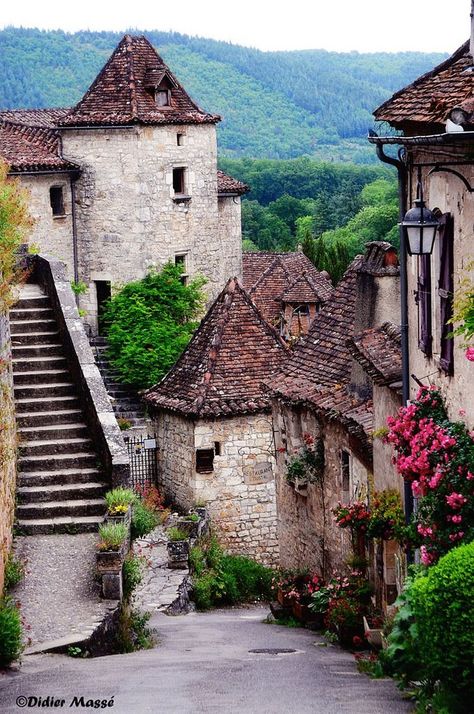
379 353
430 98
318 373
268 277
227 184
220 373
118 95
31 148
34 117
303 290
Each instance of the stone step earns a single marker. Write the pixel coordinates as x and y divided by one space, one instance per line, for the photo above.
49 418
52 349
40 376
54 432
18 327
56 509
34 338
71 525
62 492
31 313
57 462
41 364
32 302
46 404
52 389
73 476
52 447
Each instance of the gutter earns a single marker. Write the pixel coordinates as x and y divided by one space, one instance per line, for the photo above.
453 138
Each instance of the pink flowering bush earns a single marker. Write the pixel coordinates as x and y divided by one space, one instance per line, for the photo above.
436 456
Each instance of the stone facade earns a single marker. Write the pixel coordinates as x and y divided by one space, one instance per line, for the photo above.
8 444
307 534
239 491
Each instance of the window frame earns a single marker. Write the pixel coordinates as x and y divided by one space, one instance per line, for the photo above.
59 190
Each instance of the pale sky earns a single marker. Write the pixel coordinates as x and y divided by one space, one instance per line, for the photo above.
339 25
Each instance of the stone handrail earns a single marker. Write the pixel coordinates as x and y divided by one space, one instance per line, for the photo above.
51 275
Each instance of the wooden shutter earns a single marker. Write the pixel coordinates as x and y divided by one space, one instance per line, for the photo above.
425 337
445 291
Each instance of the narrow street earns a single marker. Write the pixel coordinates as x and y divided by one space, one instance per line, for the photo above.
209 662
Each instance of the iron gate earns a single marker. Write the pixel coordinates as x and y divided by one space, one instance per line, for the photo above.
143 453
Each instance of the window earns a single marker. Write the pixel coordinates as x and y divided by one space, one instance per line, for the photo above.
423 300
103 294
301 309
57 201
180 139
217 448
204 460
162 97
445 292
346 473
180 259
178 180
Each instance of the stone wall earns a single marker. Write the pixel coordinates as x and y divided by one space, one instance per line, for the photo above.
446 192
240 490
307 534
51 234
128 218
230 231
8 443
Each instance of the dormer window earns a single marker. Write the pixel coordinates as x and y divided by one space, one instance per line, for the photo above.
162 97
159 84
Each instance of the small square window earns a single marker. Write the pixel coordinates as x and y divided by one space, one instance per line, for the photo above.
56 200
178 180
204 460
180 139
217 448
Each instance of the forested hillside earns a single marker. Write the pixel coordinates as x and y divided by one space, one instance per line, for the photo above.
274 104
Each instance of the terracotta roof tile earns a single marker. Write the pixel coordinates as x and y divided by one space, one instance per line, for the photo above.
430 98
32 148
227 184
305 290
119 96
379 352
34 117
268 277
221 371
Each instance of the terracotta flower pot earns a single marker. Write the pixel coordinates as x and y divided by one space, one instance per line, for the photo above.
283 599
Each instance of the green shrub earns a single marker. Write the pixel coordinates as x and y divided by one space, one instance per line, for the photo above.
443 605
132 571
150 322
10 632
175 534
253 580
133 631
119 499
197 560
144 520
112 535
14 572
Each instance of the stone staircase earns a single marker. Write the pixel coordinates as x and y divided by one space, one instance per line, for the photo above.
60 487
126 403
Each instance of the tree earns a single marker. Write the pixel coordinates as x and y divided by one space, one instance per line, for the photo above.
150 322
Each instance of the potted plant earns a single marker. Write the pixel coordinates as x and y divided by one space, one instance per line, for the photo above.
373 630
307 466
189 524
178 549
119 502
111 546
304 591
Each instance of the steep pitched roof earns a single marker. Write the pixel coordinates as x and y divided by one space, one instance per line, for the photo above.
228 185
379 352
430 98
119 93
304 290
221 371
32 148
268 277
318 373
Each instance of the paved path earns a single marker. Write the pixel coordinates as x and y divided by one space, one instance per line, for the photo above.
59 595
203 664
160 586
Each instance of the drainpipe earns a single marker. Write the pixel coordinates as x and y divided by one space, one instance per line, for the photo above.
471 43
402 203
73 180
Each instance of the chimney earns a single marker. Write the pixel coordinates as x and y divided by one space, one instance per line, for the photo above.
377 300
471 44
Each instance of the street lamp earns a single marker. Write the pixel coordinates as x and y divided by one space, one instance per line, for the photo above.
421 225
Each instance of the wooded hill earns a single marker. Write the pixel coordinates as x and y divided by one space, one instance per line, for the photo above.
274 104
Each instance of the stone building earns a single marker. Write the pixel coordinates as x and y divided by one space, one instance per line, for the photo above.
435 119
214 424
127 179
322 401
287 288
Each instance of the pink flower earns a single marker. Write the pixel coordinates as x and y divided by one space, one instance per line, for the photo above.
470 354
426 557
456 500
462 412
417 489
434 480
456 519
